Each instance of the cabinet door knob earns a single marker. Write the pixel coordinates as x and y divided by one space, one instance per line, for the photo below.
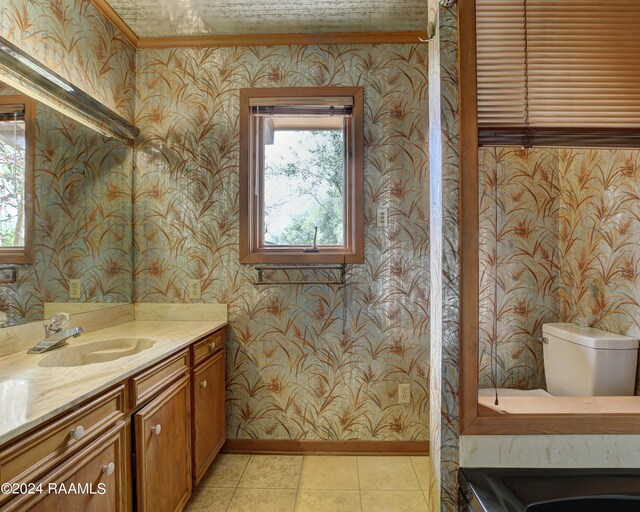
109 469
77 433
157 429
212 345
203 384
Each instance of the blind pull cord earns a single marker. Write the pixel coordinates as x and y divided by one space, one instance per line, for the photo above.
526 136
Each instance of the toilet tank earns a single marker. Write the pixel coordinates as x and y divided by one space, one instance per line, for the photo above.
582 361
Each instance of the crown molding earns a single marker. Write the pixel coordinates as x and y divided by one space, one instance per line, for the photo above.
117 21
281 39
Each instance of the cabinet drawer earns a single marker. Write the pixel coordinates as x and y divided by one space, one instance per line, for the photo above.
150 383
204 348
31 456
98 473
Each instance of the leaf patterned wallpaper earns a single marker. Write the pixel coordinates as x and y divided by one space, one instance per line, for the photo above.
313 362
523 246
444 172
82 218
74 39
567 249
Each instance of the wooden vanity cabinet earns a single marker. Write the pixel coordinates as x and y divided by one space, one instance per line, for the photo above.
93 480
173 410
209 418
30 457
163 450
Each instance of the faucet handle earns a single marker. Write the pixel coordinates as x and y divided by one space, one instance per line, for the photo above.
49 329
59 321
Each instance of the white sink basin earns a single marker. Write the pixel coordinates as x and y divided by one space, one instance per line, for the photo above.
96 352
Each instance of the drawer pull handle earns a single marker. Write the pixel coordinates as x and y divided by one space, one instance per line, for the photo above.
157 429
212 345
77 433
203 384
109 469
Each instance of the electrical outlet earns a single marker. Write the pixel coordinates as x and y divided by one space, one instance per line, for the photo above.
75 288
195 289
404 393
382 217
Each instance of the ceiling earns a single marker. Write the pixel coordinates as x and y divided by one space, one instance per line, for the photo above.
179 18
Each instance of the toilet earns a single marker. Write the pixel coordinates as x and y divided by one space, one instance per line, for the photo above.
582 361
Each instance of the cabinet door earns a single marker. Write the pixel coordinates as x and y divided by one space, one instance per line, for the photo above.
209 425
92 481
163 451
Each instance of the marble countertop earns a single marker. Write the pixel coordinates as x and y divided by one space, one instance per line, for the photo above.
31 394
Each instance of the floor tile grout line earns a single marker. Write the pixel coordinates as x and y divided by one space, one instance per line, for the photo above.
239 480
415 469
415 472
295 503
422 491
359 486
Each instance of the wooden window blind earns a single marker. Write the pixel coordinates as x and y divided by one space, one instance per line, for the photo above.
565 70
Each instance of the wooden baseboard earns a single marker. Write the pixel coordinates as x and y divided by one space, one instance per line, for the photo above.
287 447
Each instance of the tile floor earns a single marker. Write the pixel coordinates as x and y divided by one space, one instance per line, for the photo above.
278 483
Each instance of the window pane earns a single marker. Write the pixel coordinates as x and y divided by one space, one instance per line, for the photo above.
12 181
303 185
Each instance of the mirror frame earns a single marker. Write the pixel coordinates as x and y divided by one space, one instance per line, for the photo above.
585 415
24 254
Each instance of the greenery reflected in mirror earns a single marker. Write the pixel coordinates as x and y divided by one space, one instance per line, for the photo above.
82 220
13 164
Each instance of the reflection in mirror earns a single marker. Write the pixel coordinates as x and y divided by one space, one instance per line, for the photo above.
82 219
559 253
16 179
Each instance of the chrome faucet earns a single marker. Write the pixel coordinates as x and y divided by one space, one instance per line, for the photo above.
55 337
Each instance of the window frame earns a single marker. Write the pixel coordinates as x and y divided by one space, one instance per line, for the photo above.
251 196
21 255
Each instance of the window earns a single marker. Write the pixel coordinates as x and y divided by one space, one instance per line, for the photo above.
16 179
301 175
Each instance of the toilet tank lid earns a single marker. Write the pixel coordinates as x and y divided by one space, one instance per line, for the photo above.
590 337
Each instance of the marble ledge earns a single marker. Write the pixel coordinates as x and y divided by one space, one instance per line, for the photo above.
550 451
31 394
180 312
75 308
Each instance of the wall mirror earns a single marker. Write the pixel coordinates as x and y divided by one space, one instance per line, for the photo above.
558 231
66 212
551 190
